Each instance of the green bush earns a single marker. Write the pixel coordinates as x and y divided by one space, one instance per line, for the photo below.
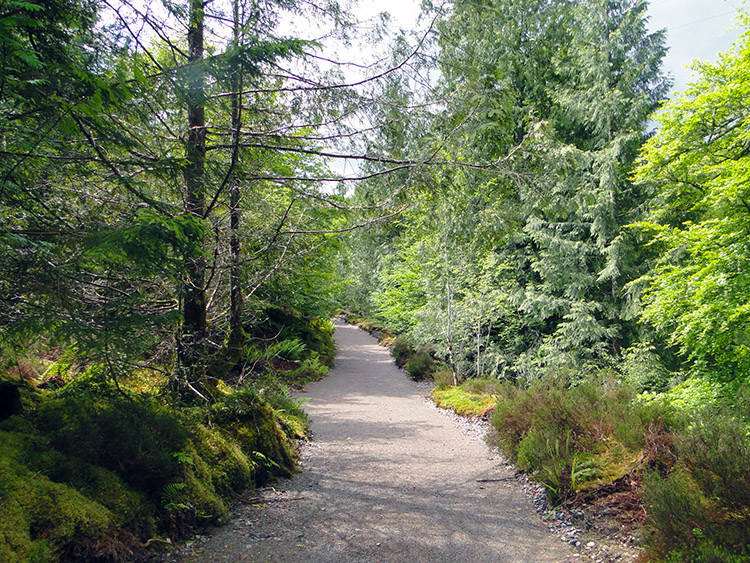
708 491
675 508
481 385
567 434
290 414
716 452
706 551
315 333
420 365
643 368
402 350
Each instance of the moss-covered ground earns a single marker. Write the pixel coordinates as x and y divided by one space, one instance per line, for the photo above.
93 469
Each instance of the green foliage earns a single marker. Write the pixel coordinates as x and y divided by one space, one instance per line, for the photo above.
443 377
705 551
691 395
566 435
715 451
93 472
516 268
311 369
643 368
304 336
701 507
84 421
291 349
251 423
675 509
291 416
697 292
420 365
401 350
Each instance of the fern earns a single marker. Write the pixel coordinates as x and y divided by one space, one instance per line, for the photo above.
170 497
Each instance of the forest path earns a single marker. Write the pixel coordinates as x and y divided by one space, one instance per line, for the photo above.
387 478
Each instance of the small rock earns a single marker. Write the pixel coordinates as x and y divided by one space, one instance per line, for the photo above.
590 545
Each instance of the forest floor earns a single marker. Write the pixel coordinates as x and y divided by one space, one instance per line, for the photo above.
389 477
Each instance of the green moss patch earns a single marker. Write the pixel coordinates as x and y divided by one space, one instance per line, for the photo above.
463 402
44 520
93 472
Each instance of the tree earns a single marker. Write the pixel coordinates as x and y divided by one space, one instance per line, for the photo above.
698 166
557 95
608 83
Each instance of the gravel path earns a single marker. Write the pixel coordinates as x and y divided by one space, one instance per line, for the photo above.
387 478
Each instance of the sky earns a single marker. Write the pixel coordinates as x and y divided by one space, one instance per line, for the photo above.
696 29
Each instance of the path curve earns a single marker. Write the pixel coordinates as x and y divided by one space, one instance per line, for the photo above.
387 478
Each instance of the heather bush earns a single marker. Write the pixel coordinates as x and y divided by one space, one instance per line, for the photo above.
420 365
703 506
401 350
565 435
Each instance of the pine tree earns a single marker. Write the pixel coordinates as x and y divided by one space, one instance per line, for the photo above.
608 84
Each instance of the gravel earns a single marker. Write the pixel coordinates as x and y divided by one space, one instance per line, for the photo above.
572 526
390 477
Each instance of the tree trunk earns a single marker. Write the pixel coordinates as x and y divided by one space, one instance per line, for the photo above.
236 339
193 331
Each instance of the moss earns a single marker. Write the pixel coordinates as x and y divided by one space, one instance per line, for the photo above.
92 473
133 437
42 520
16 396
130 508
463 402
251 421
230 469
200 489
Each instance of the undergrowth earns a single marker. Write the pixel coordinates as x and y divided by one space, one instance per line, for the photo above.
95 470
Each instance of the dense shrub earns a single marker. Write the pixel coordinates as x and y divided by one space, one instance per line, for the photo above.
443 377
315 333
703 505
401 350
706 551
567 434
420 365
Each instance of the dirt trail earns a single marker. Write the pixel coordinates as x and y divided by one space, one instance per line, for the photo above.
386 479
